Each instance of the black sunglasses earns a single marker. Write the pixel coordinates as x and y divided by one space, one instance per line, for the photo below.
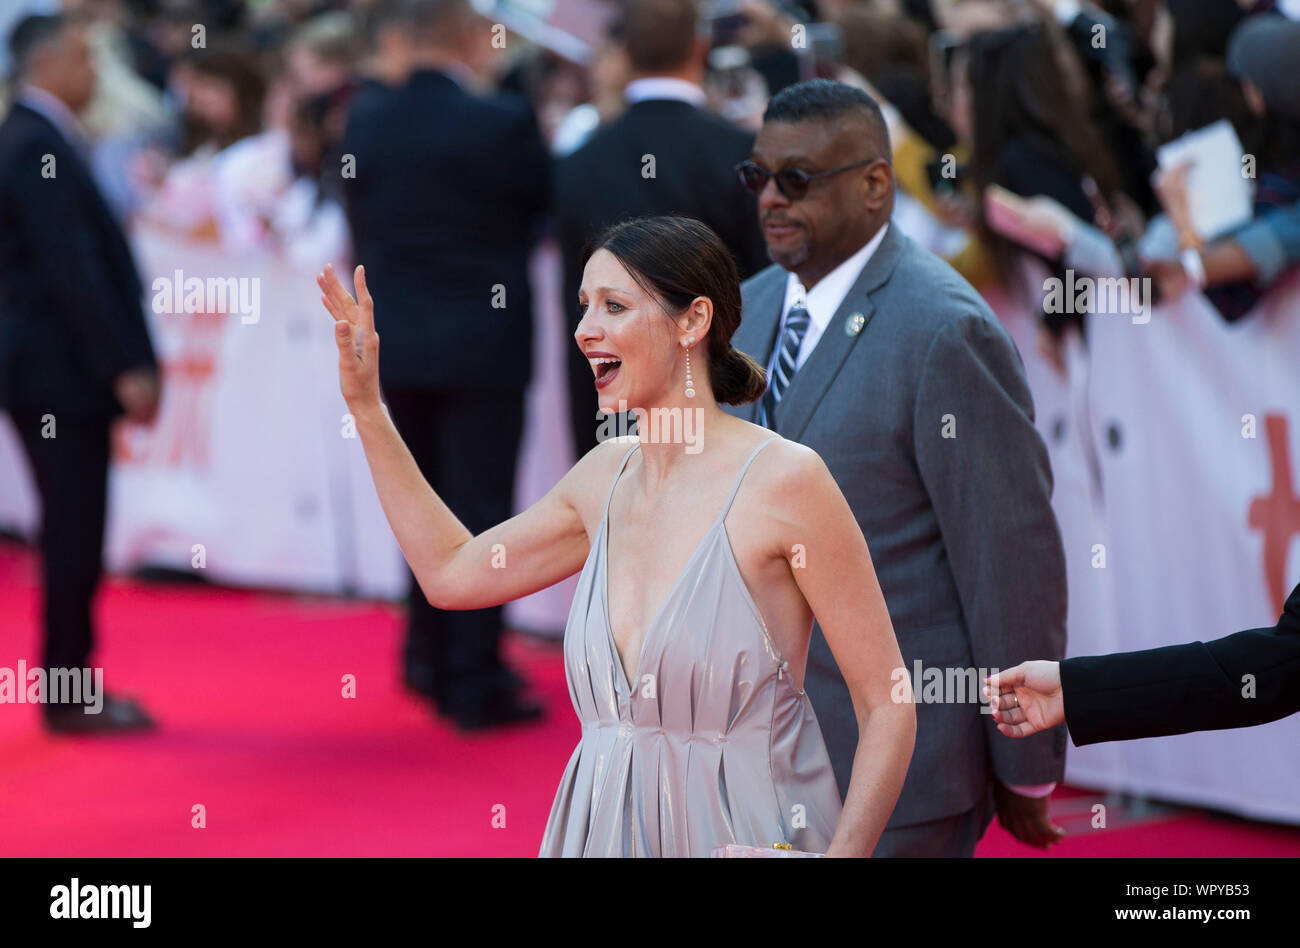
791 182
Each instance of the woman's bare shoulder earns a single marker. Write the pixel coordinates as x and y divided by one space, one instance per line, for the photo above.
587 482
791 475
789 460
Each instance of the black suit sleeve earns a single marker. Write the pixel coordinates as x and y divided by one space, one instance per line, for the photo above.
533 165
1245 679
105 328
746 239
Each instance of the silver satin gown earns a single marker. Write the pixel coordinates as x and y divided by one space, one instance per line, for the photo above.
714 745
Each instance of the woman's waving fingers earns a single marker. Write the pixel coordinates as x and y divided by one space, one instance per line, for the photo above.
338 301
365 303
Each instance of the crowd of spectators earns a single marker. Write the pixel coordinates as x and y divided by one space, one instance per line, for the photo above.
224 120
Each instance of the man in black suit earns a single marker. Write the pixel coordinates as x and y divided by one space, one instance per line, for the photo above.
1241 680
664 155
449 189
74 346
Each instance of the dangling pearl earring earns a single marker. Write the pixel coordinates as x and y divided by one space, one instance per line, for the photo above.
690 386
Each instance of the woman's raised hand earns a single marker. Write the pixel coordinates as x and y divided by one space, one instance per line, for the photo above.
354 331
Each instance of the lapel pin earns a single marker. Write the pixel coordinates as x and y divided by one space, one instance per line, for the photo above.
853 325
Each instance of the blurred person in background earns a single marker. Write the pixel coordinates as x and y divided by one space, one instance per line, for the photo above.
305 222
127 112
1017 113
449 190
162 34
665 155
74 348
1197 28
1255 89
223 88
891 52
1113 60
553 84
318 65
386 62
1253 93
608 74
10 13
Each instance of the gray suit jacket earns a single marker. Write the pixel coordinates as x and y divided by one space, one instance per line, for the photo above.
924 418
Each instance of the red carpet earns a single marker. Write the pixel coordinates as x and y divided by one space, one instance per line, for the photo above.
247 689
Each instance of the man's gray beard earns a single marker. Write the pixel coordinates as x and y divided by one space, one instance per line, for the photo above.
790 261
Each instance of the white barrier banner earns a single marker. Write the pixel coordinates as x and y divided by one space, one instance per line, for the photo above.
1196 424
252 472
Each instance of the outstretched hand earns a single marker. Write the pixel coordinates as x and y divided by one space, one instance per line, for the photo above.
1026 699
354 331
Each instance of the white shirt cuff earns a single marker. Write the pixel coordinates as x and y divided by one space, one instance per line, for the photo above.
1037 790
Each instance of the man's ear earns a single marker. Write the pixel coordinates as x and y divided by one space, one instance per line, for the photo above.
880 183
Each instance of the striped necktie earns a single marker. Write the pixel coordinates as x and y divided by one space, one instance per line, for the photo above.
796 326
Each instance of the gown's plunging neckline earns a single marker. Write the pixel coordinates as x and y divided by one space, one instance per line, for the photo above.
699 548
609 625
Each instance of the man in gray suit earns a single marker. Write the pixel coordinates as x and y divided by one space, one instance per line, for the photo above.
888 364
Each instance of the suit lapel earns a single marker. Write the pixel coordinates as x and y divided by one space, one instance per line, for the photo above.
757 332
814 378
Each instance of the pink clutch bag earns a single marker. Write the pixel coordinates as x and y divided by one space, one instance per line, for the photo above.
775 851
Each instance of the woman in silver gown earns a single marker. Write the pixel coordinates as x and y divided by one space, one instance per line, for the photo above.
706 545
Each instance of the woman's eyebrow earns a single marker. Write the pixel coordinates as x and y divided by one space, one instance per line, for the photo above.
606 290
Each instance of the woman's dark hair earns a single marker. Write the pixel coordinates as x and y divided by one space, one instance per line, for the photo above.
1201 92
1021 92
243 71
676 259
1202 27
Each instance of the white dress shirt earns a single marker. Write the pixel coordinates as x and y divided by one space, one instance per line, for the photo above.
459 73
665 87
823 299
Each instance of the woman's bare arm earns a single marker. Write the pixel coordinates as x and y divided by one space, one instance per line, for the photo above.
455 569
839 583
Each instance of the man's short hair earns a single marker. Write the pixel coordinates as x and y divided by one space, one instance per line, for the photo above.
825 100
659 35
381 15
30 35
330 37
433 19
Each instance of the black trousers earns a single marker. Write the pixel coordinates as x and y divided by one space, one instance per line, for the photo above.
466 444
71 471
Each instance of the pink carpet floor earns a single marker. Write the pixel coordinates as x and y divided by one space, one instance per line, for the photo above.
247 687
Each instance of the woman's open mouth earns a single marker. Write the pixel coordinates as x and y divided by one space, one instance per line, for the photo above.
606 369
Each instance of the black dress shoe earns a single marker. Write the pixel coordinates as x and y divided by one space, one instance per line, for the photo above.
509 680
116 716
500 709
418 679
